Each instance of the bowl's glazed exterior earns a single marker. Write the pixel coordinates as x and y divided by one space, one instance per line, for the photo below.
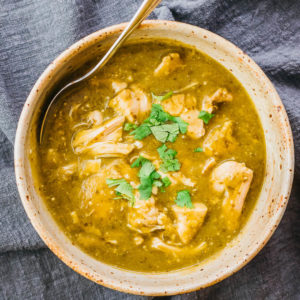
268 209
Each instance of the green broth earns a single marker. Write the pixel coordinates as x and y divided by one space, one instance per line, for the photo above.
95 233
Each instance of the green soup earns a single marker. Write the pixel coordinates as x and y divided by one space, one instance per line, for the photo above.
156 162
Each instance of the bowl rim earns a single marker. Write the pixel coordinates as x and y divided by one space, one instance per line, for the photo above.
85 42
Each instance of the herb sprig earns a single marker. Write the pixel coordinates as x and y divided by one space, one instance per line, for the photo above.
123 189
161 124
205 116
170 163
184 199
149 177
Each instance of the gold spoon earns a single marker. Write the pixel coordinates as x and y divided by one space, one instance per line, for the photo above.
144 10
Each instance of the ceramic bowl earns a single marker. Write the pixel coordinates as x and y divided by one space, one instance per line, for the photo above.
268 209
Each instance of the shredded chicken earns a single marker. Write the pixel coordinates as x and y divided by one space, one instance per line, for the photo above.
196 126
94 117
68 170
118 86
189 220
187 87
145 217
209 163
158 244
97 133
169 64
178 177
95 186
231 180
89 167
106 149
138 240
132 103
220 140
221 95
174 105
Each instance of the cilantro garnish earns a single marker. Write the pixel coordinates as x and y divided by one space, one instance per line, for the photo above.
165 133
166 181
205 116
141 132
198 149
184 199
123 189
148 177
162 97
138 162
157 124
182 124
129 126
170 163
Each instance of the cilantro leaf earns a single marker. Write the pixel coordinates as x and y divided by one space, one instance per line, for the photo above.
166 181
198 149
170 163
145 188
123 189
162 97
182 124
184 199
205 116
114 182
146 169
141 132
157 115
157 183
129 126
155 175
157 124
167 132
147 175
138 162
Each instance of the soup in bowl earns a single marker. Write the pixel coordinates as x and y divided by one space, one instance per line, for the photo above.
154 171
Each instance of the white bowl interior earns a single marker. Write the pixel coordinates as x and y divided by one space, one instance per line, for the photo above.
269 207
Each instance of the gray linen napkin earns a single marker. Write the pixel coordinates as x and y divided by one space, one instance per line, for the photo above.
34 32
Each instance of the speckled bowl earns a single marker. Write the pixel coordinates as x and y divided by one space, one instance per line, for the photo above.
269 207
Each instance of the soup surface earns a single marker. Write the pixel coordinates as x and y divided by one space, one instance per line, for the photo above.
156 162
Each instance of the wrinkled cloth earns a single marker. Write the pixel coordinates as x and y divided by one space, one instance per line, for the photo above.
34 32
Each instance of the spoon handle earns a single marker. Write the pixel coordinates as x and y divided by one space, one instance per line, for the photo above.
145 9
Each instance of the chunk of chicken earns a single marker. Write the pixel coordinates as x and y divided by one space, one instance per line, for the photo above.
97 195
190 102
220 140
196 126
67 171
106 149
189 220
89 167
94 117
169 64
178 177
118 86
98 133
158 244
145 217
232 181
132 103
176 104
221 95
